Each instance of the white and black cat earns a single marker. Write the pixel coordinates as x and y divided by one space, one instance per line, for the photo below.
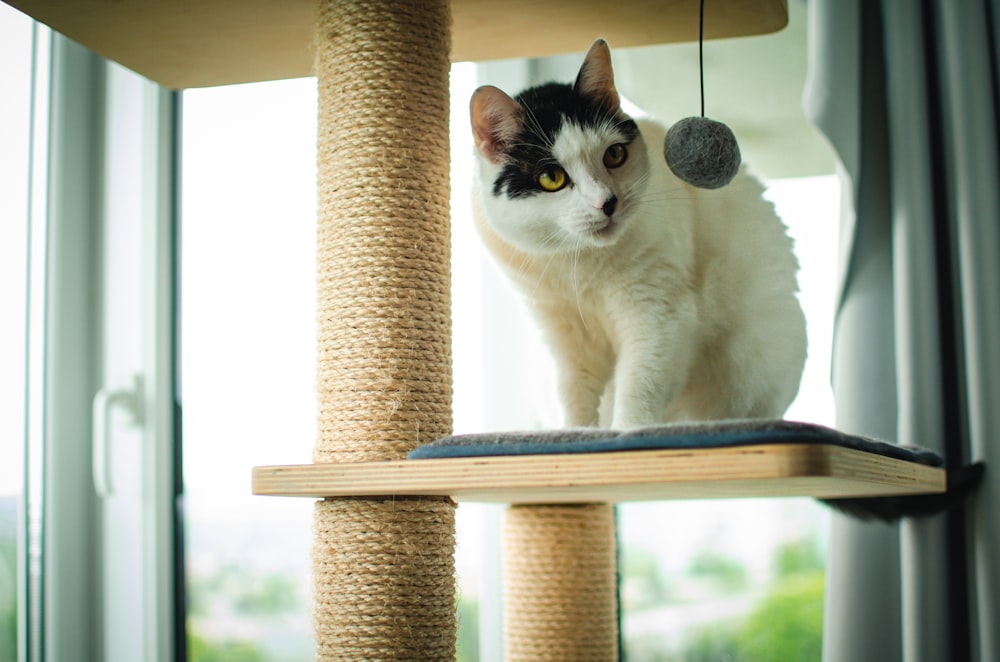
661 302
678 302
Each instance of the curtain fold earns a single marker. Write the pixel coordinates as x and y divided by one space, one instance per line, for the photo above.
907 93
924 412
969 71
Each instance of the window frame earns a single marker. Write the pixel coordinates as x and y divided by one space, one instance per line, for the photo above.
79 201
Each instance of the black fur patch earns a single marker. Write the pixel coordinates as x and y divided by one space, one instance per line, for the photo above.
547 107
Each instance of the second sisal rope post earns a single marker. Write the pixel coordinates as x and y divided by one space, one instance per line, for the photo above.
383 568
560 589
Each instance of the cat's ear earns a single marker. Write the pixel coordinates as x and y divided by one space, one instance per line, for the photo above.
596 80
496 121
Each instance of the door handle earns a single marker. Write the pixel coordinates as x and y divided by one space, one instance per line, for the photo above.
129 399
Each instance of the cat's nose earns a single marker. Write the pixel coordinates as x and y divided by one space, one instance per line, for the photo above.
609 205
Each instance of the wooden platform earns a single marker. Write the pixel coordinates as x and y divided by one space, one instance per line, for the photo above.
219 42
772 470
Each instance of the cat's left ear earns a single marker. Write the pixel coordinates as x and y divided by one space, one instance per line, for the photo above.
596 80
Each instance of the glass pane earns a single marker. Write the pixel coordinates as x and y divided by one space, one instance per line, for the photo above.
15 81
247 364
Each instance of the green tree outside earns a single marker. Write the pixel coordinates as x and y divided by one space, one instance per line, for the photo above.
787 624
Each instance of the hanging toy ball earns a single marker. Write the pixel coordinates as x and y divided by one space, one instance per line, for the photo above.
702 152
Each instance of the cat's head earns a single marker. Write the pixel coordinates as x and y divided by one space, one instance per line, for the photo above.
560 166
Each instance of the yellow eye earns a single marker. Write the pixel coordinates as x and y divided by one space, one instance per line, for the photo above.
552 179
615 156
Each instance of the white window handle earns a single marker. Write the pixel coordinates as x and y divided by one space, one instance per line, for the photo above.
130 400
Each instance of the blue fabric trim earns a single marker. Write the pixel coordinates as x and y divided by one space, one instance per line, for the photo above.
719 434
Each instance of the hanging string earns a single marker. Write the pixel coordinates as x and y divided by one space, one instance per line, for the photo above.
701 54
700 151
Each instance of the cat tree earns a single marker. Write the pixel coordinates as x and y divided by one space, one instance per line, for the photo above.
384 525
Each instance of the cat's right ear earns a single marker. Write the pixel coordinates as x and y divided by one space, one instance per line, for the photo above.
496 121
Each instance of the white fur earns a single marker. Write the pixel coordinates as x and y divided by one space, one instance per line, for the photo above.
683 309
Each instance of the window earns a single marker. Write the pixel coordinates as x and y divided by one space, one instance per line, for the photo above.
85 249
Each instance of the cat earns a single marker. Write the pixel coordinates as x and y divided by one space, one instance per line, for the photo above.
677 303
661 302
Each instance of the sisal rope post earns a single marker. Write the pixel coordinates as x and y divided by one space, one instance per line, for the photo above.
383 568
560 592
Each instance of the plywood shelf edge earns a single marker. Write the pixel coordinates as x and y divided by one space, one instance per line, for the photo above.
771 470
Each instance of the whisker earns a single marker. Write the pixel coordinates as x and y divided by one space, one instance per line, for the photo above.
576 285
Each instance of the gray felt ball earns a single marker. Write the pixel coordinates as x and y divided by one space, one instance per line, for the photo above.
702 152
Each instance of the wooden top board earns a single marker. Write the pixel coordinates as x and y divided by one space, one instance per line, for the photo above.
201 43
817 470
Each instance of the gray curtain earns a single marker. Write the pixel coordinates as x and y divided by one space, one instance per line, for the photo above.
907 92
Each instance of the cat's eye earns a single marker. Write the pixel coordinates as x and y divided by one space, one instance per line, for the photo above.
615 155
552 179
